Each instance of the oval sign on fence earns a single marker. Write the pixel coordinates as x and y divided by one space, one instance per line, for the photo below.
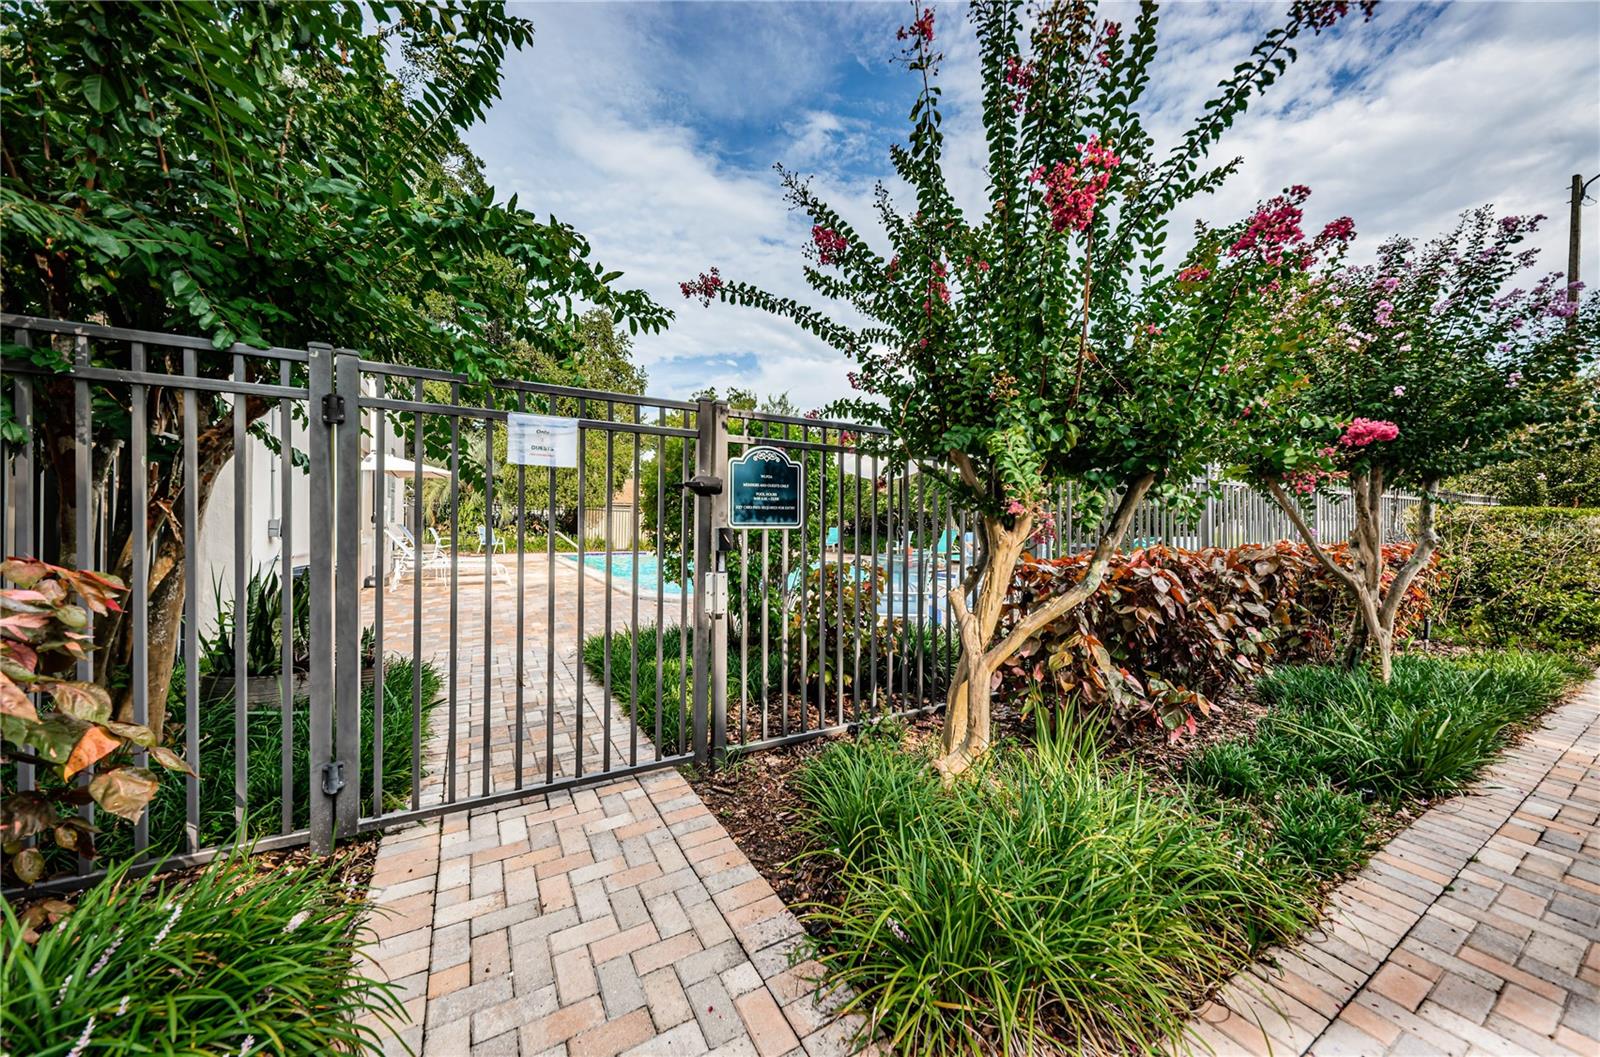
767 491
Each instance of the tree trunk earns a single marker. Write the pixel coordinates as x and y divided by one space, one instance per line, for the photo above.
1376 607
967 731
165 584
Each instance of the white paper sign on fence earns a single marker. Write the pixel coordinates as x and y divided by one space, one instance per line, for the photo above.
542 440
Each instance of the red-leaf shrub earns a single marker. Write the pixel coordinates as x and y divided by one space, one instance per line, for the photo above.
1169 630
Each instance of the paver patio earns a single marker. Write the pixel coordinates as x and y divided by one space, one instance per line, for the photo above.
1476 931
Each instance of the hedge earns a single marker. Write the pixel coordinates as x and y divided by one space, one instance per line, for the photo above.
1170 630
1528 575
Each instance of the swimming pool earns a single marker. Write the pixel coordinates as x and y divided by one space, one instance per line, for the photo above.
622 571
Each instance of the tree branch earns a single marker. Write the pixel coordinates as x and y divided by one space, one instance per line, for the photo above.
1090 582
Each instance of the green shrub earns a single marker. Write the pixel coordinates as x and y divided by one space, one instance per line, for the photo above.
676 676
1528 575
1424 734
232 961
264 762
1050 898
1229 767
1319 828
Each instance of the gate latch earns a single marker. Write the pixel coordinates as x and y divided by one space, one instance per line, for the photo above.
332 409
716 594
333 777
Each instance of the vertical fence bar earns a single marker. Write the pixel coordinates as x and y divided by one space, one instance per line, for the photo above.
855 583
633 637
418 535
83 469
705 463
838 585
490 571
191 607
380 488
718 627
605 667
455 590
877 594
583 542
661 565
347 599
139 510
241 593
286 595
803 692
522 591
690 573
320 366
21 540
550 627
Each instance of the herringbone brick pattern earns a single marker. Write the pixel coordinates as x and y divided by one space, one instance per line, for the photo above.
619 918
1476 931
616 919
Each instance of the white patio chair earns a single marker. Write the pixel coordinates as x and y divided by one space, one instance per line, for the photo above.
430 559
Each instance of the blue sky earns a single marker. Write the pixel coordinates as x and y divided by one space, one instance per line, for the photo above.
653 129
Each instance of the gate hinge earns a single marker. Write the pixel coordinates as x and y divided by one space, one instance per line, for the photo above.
333 777
333 409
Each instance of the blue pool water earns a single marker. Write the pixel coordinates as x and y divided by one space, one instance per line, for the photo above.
622 570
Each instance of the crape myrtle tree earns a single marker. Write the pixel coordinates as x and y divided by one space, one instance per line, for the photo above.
1040 341
264 173
1430 363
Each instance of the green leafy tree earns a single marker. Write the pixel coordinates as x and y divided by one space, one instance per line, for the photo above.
1041 342
1420 367
1555 464
259 173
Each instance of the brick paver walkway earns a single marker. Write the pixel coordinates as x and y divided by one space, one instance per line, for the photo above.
619 918
1476 931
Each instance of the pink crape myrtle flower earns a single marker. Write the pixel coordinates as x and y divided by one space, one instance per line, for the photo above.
1275 227
830 244
705 286
921 29
1073 189
1364 431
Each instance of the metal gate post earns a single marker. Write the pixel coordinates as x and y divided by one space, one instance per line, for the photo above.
719 618
319 437
710 593
341 779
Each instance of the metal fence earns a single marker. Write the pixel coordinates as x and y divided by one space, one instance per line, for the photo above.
121 449
398 627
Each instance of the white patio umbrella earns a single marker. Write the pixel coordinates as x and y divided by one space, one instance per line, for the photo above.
396 464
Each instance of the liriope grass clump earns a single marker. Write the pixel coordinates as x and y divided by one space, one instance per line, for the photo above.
233 960
1338 749
1425 734
1047 897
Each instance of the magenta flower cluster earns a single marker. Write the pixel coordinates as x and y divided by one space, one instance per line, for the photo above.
1275 227
704 286
919 30
1071 190
830 244
1364 431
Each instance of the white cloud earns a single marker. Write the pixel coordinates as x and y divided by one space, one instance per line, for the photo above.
652 130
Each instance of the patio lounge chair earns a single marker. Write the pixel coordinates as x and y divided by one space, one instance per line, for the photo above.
406 558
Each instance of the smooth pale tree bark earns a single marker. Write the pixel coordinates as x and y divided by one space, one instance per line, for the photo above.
1377 607
968 730
166 582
